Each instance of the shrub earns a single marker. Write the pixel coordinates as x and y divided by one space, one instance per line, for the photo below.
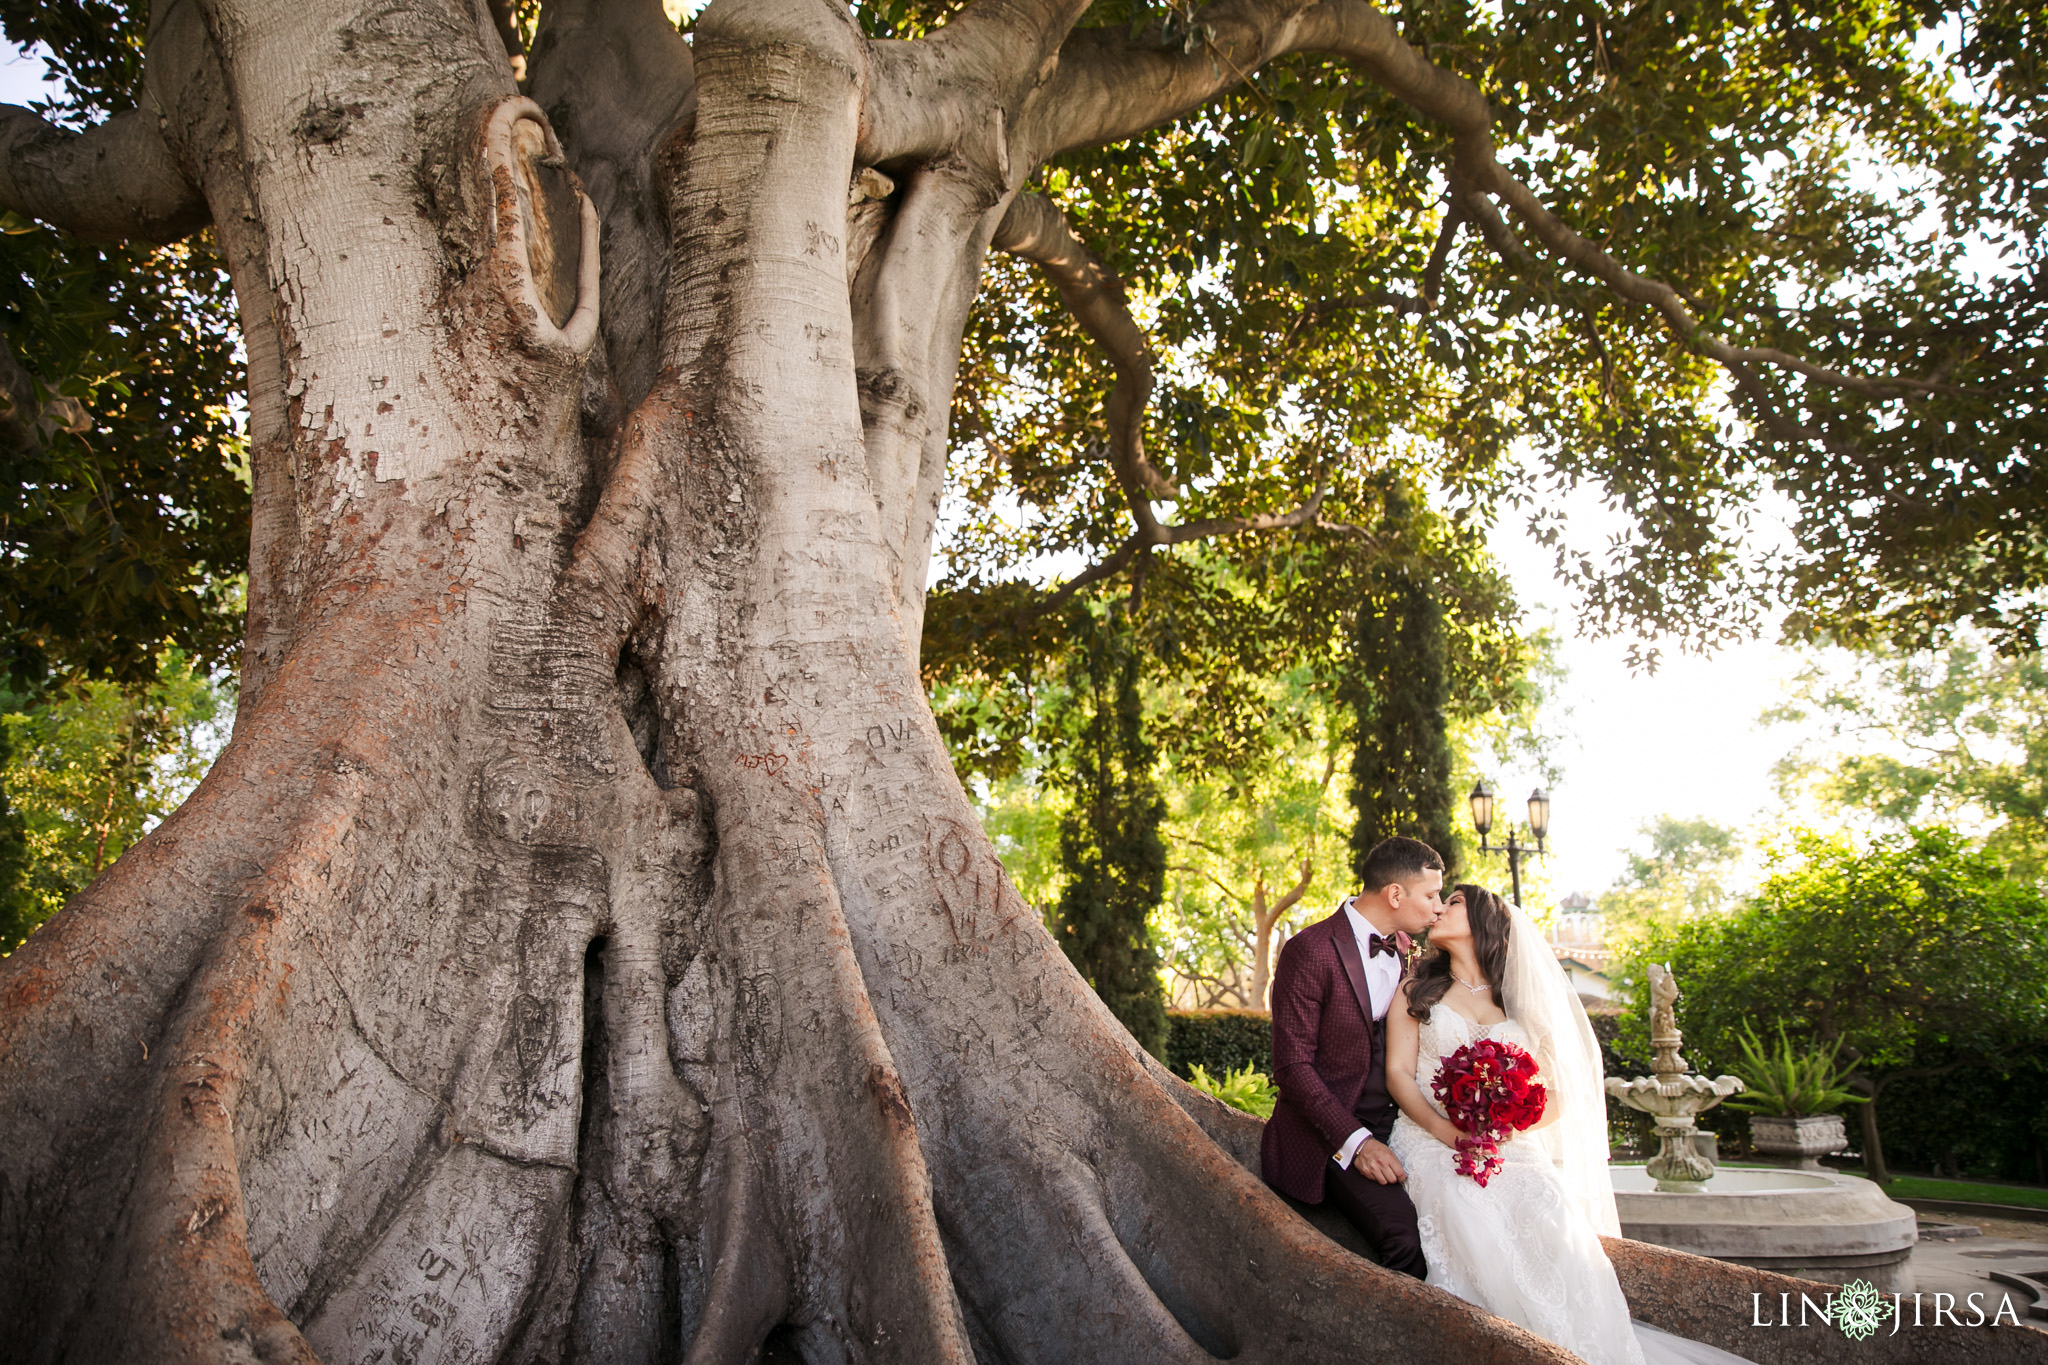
1220 1041
1972 1121
1788 1082
1245 1089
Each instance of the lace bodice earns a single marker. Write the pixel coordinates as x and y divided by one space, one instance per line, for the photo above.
1444 1032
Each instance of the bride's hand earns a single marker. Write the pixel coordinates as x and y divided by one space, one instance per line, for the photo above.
1446 1132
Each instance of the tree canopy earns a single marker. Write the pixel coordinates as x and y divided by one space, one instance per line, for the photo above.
1328 315
1783 318
1685 871
124 502
1956 736
88 770
123 505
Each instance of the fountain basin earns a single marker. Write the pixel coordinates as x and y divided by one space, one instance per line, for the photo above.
1819 1225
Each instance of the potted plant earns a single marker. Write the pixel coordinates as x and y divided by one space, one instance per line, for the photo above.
1791 1095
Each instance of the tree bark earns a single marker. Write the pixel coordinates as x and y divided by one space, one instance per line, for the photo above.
1265 919
583 949
1873 1146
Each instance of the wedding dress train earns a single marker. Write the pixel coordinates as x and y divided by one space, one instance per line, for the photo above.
1519 1246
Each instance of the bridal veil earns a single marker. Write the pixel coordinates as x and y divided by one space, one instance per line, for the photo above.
1539 996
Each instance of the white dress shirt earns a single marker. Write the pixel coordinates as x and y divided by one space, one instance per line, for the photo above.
1382 979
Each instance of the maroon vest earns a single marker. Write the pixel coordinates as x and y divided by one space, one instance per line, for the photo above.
1376 1108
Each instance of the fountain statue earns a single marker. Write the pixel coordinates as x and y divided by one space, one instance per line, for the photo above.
1674 1097
1819 1225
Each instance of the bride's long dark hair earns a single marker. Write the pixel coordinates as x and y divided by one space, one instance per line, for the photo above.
1488 917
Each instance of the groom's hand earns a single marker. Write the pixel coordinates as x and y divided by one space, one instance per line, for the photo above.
1377 1160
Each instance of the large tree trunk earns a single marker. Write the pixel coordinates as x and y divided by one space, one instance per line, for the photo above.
584 950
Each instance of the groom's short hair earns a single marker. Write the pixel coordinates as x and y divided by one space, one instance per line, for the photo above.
1396 860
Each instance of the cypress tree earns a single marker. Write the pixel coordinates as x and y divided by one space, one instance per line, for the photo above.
17 917
1399 691
1110 848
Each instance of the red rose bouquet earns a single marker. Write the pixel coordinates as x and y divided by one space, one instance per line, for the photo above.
1489 1089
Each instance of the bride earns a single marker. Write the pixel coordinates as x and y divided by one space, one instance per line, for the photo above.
1525 1246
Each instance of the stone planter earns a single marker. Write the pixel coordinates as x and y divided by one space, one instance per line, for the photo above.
1799 1143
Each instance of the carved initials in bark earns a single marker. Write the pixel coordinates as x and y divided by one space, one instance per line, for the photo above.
971 887
758 1018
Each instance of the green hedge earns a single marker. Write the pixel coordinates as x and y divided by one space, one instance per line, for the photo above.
1967 1192
1969 1122
1218 1041
1972 1121
1221 1041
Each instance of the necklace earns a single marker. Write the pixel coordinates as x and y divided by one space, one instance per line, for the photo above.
1482 986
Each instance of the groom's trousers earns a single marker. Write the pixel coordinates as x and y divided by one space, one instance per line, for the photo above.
1383 1214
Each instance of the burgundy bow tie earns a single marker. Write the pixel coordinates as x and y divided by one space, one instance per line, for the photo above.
1375 945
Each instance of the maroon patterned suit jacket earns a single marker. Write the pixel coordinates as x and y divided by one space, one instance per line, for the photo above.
1329 1062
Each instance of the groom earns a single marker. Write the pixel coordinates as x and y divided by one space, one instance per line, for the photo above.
1327 1138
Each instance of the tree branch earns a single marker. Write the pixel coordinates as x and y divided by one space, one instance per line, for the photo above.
1757 399
1142 540
1304 515
1210 877
1218 987
1109 87
1035 229
958 89
1094 573
1279 908
1354 29
1418 305
1492 227
620 82
1599 344
1583 254
114 181
1455 216
1877 1087
25 422
1371 298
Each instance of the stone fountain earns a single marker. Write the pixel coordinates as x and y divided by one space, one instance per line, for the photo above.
1674 1097
1820 1224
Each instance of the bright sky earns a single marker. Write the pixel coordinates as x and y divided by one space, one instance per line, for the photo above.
1683 741
21 76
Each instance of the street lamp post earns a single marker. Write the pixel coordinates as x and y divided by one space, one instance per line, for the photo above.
1539 825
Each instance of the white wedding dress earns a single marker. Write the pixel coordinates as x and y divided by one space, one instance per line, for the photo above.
1522 1247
